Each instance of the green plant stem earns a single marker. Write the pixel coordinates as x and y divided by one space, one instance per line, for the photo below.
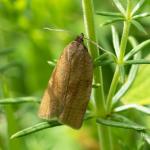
125 34
112 89
124 40
90 31
104 132
123 45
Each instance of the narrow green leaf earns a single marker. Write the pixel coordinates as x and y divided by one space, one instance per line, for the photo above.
35 128
137 7
122 73
110 14
142 15
138 61
101 57
117 117
146 137
111 21
54 29
131 76
121 118
139 26
103 63
43 125
19 100
107 62
51 63
133 106
118 124
137 49
115 38
119 6
132 41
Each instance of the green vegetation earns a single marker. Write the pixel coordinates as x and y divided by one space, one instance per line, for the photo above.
32 36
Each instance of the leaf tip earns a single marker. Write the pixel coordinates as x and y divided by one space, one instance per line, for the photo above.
13 137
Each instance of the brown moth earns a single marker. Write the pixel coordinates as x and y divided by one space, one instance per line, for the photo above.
69 87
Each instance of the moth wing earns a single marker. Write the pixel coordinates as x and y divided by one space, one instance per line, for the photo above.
49 103
51 106
78 88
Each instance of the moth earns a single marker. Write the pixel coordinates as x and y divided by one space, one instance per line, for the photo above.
69 87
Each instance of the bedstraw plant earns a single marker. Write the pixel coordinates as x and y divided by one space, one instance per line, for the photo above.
107 107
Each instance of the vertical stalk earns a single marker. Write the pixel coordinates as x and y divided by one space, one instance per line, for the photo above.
90 32
112 89
125 33
104 132
123 46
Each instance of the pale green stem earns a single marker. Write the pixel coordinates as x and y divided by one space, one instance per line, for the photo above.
124 40
123 45
90 33
112 89
104 132
125 34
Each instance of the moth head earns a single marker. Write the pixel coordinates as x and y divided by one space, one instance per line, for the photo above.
80 38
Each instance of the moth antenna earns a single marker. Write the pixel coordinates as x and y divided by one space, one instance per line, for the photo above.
94 43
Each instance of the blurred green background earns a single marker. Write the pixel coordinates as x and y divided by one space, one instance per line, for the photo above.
24 70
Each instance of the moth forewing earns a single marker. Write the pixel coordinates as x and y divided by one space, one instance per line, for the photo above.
50 105
70 86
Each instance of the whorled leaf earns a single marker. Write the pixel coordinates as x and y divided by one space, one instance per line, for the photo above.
109 14
115 39
119 6
118 124
138 61
108 22
137 6
122 73
139 26
103 63
19 100
36 128
137 107
137 49
142 15
43 125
